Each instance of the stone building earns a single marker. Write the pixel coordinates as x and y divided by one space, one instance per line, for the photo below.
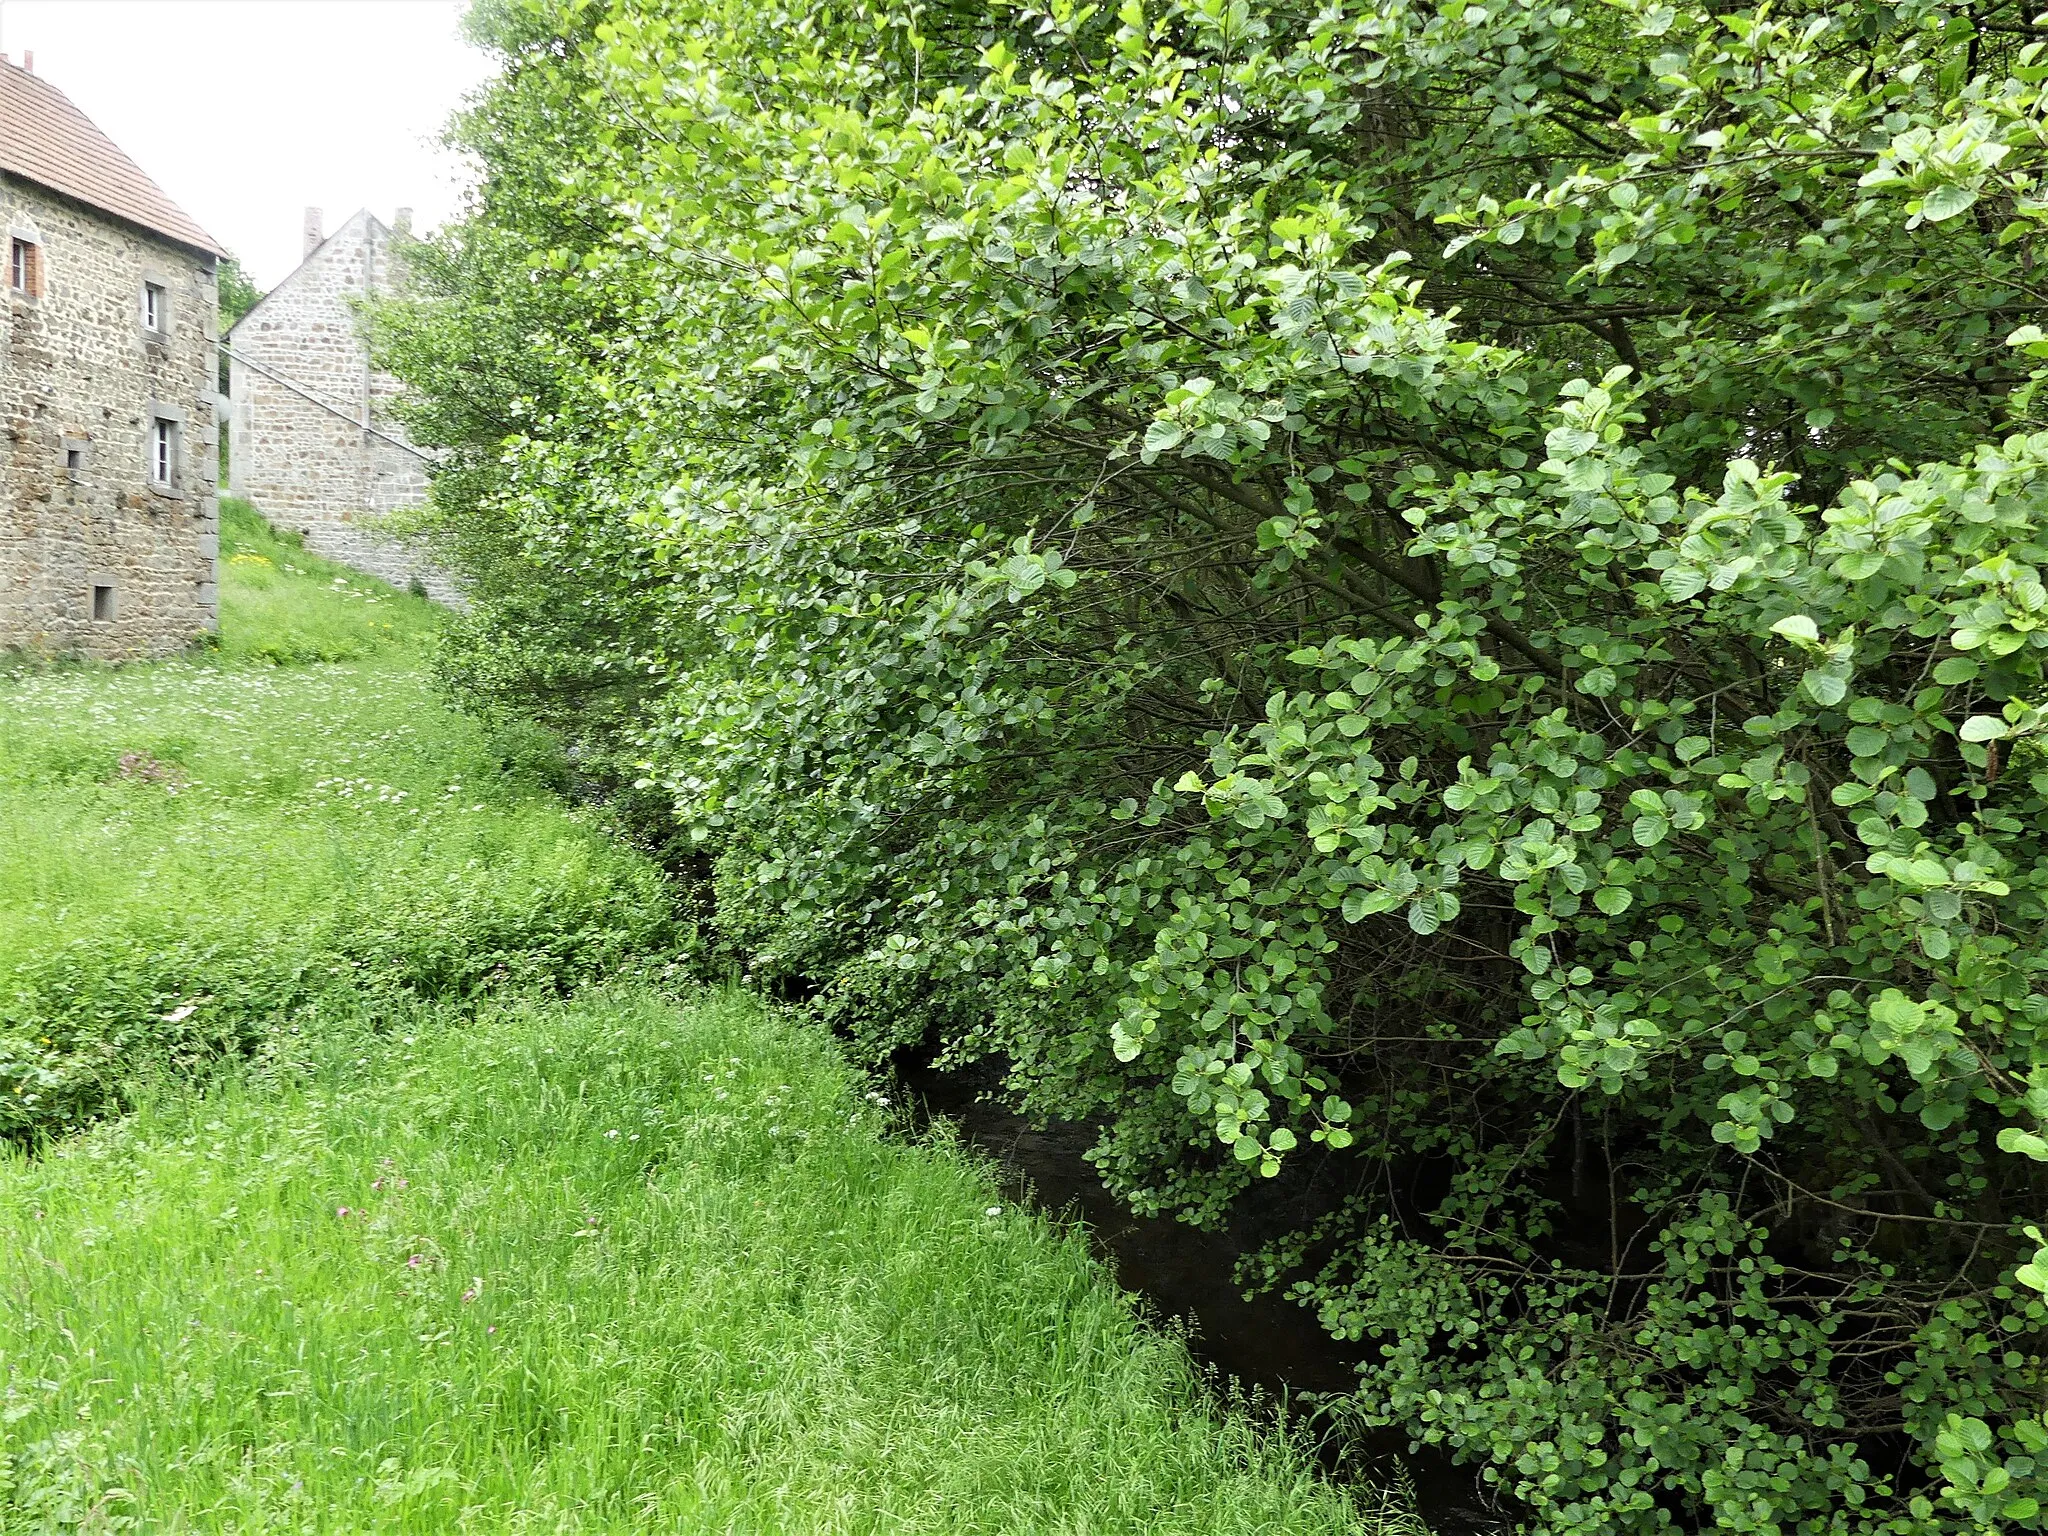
109 543
310 438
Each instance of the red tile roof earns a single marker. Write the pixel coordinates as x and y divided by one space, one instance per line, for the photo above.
45 139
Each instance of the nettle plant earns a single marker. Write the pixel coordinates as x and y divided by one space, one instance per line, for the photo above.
1433 617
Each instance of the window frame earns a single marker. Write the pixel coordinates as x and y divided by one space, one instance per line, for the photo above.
163 453
156 307
163 421
24 265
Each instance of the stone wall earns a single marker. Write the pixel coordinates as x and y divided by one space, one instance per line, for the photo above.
82 386
311 441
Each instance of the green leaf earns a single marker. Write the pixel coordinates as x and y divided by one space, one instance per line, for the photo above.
2024 1143
1895 1011
1797 628
1162 435
1681 582
1824 688
1946 202
1983 728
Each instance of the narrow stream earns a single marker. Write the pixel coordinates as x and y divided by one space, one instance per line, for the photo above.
1266 1344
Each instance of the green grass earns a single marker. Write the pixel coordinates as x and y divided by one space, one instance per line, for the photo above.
281 603
600 1266
190 850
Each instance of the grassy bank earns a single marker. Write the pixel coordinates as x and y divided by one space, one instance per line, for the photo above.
606 1265
193 850
282 605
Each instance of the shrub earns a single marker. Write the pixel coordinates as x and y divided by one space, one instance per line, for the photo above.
1356 591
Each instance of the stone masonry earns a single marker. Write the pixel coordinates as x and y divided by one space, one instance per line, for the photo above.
311 441
109 545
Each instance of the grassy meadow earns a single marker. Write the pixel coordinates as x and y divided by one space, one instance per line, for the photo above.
194 849
458 1232
281 604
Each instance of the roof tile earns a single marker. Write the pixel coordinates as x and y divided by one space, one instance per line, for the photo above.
47 140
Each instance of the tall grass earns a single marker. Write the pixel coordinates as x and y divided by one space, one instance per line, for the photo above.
601 1266
191 850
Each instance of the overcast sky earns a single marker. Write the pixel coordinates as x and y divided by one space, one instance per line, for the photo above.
249 111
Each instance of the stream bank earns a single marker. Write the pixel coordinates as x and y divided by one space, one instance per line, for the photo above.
1266 1346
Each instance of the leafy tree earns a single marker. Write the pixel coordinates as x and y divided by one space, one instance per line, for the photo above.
1431 615
236 296
236 293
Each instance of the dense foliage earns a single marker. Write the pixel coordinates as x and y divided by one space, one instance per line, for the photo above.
1432 614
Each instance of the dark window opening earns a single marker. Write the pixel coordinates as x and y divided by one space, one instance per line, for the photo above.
74 461
102 604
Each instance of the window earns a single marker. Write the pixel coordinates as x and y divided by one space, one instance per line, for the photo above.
102 604
163 457
153 309
25 267
74 462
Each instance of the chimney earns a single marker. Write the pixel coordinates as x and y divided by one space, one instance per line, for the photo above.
401 223
313 235
28 60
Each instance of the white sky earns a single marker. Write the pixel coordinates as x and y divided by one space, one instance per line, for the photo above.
247 112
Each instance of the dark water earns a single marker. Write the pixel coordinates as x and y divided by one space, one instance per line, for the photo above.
1265 1346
